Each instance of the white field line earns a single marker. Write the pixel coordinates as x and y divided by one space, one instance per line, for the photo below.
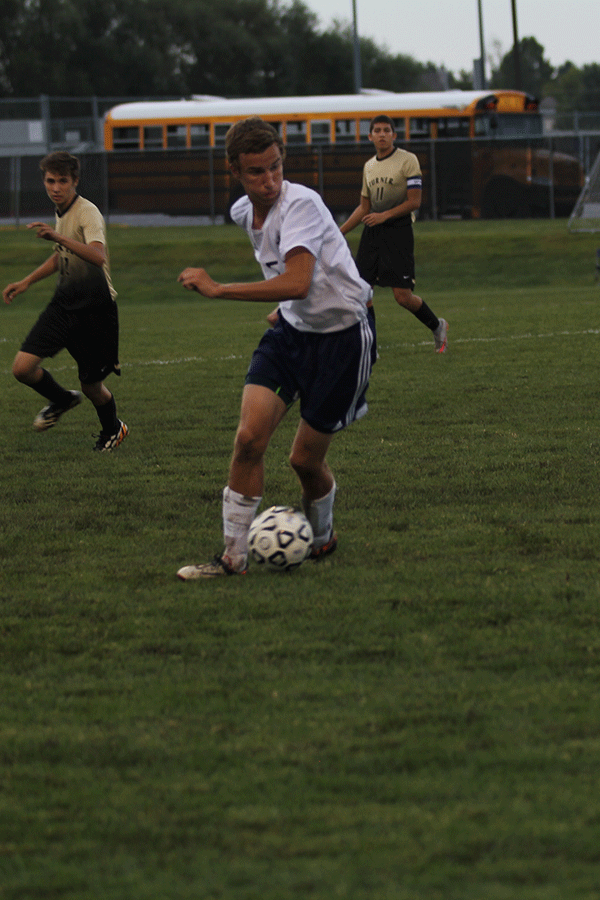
472 340
511 337
149 362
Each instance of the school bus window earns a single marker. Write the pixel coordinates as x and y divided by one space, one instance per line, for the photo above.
295 132
320 131
508 125
177 136
126 138
153 137
345 131
200 135
483 126
363 130
452 127
420 128
221 129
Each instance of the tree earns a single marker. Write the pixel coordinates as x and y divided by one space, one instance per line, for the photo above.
566 88
536 71
299 49
573 88
393 73
9 29
242 48
590 76
118 47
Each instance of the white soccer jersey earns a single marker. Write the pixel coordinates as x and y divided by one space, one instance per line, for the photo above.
338 296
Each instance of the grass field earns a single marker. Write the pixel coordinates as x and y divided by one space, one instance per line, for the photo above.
415 718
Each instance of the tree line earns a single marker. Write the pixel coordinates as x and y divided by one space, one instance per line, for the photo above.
242 48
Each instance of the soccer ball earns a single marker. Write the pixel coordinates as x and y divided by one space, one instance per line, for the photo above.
280 538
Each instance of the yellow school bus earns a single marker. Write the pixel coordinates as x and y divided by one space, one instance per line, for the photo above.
491 139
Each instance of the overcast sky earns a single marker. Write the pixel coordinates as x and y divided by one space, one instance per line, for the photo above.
446 32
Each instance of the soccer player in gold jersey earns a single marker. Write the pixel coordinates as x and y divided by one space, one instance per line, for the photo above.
390 195
82 314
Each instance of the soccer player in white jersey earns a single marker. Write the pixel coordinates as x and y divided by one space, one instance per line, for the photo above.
82 314
390 195
320 350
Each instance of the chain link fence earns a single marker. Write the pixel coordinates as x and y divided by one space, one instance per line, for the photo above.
489 178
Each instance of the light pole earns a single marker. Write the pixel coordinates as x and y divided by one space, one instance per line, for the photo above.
516 53
357 66
481 47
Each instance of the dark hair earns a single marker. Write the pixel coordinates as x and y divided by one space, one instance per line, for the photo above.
62 163
251 135
382 118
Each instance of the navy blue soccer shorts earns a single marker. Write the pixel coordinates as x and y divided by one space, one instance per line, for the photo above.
328 373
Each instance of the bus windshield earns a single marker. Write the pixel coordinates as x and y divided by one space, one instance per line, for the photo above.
491 124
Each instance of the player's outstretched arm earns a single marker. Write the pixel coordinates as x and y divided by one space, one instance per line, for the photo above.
19 287
93 253
293 284
199 280
13 290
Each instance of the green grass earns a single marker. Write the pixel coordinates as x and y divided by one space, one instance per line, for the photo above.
415 718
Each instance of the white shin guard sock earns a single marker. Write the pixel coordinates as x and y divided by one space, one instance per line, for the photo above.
238 514
320 515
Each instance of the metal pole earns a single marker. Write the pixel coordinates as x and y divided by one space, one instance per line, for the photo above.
211 185
96 126
105 192
357 66
551 177
15 187
433 181
481 47
516 50
47 120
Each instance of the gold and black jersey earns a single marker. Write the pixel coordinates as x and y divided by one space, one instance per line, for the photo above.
80 283
386 181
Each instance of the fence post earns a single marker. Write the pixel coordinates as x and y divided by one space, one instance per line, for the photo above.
15 187
96 127
551 177
433 181
45 111
105 193
320 171
211 183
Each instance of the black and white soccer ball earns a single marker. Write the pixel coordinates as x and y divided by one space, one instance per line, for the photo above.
280 538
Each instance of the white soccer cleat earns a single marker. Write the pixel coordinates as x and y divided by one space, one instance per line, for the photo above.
440 336
49 415
219 566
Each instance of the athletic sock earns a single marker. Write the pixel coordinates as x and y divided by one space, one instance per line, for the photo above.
427 317
107 413
52 391
320 515
238 514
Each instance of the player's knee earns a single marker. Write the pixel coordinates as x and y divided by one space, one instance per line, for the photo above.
249 446
96 392
303 464
23 371
404 298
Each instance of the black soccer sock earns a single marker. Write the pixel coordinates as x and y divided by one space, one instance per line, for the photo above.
52 391
427 317
107 413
